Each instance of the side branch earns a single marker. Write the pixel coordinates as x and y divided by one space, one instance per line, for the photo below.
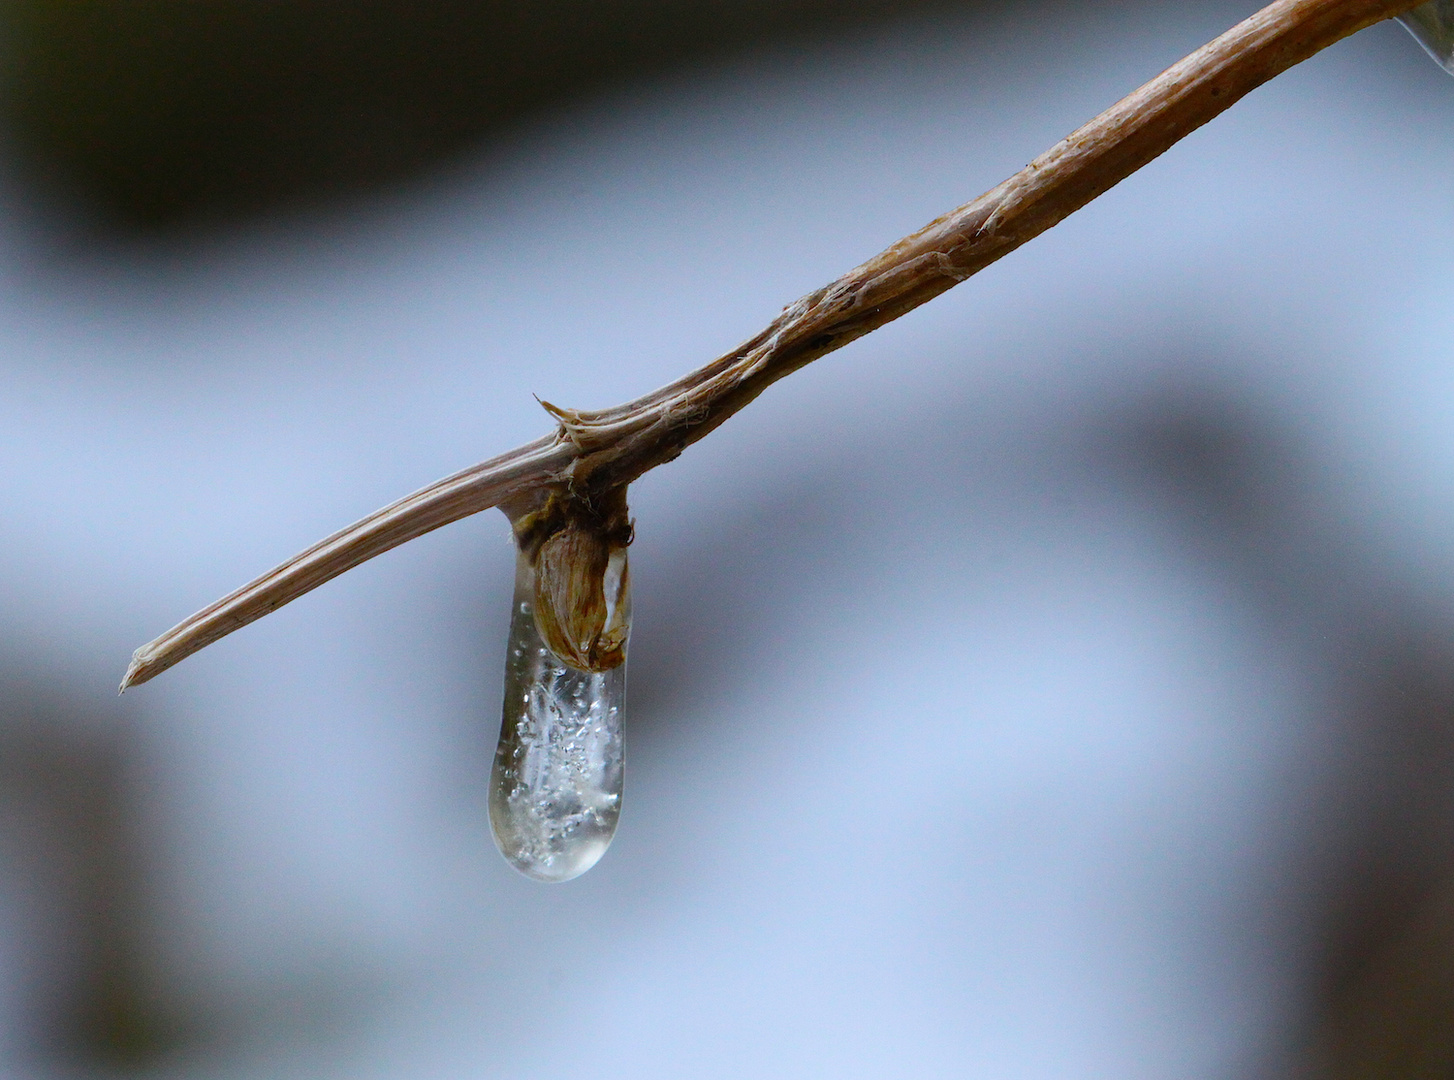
598 451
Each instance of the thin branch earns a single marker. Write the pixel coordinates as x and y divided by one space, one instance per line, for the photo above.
601 450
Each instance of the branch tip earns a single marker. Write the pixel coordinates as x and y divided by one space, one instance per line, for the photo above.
133 676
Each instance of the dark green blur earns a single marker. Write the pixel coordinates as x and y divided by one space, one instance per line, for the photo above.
155 114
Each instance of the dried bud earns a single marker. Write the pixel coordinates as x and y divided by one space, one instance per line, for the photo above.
582 582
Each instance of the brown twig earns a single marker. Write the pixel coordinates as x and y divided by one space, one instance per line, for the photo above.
598 451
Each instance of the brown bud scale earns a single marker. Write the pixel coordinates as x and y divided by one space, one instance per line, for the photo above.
582 580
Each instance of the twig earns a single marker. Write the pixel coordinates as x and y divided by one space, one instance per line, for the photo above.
597 451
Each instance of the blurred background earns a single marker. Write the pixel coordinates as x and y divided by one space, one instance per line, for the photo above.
1057 683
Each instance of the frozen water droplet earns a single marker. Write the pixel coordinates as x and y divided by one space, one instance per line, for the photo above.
1432 24
555 793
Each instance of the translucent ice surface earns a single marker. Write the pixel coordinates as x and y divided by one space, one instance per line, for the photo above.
555 794
1433 25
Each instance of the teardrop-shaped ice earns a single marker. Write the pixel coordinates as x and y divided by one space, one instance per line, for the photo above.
1432 24
555 793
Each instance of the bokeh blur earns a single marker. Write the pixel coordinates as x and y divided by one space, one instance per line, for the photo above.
1057 683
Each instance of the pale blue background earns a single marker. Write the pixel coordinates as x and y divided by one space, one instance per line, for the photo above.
968 736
